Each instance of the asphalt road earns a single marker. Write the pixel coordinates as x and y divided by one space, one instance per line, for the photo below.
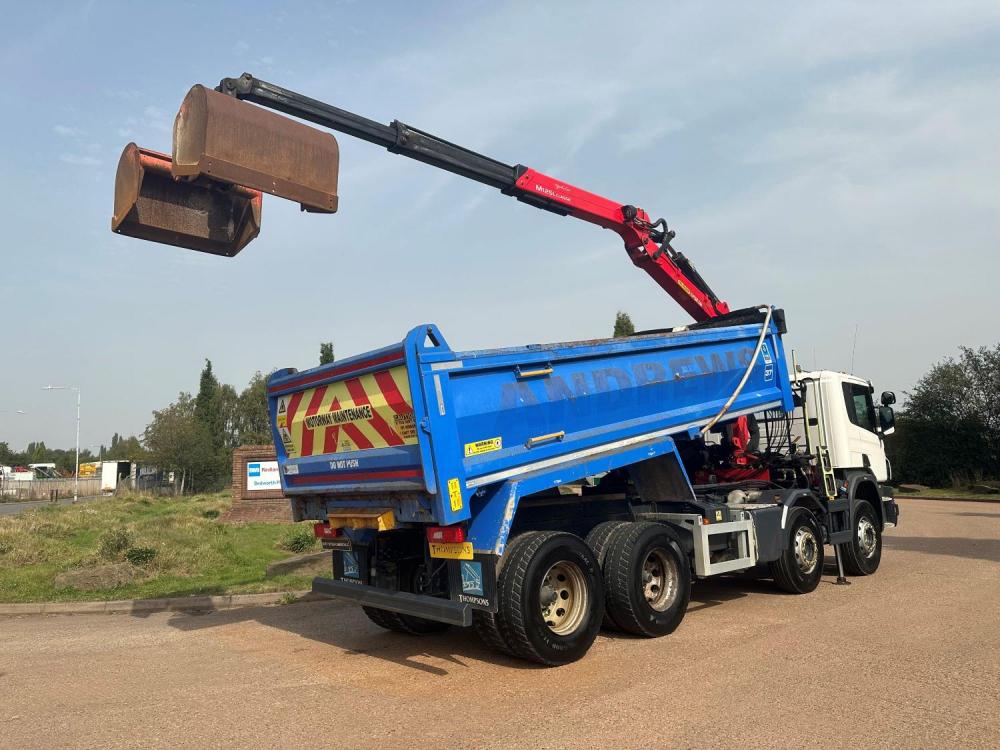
907 658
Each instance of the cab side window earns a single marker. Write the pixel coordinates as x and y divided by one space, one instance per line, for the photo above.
860 409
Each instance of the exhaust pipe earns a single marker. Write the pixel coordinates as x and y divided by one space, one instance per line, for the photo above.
200 215
233 142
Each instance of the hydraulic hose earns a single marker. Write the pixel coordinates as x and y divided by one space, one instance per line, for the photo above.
746 375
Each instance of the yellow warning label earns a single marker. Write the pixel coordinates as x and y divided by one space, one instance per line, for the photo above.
451 551
282 420
455 495
483 446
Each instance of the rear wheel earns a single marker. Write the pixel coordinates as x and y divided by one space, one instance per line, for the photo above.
550 597
400 623
487 624
598 540
800 567
647 578
864 552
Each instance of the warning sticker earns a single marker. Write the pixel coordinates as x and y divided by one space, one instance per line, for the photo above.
454 495
406 425
483 446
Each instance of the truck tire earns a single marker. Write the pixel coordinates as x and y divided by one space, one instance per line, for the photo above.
400 623
597 540
384 618
647 578
863 553
487 624
551 597
800 567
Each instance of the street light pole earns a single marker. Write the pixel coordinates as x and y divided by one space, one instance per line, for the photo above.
76 474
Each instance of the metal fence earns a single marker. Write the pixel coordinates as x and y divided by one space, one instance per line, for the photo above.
45 489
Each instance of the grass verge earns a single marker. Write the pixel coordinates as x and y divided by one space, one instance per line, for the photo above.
155 547
933 493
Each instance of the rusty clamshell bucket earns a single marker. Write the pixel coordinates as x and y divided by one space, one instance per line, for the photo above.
151 205
230 141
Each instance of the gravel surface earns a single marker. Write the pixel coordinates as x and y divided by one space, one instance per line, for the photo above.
907 658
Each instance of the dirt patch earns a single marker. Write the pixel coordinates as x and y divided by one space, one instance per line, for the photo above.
96 577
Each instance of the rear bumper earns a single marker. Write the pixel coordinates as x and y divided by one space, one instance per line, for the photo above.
428 607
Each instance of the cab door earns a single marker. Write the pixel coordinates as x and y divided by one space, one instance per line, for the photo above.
863 440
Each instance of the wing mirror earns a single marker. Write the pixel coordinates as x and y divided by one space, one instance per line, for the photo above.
886 419
888 398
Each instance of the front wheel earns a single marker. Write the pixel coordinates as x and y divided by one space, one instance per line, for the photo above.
863 553
551 598
800 567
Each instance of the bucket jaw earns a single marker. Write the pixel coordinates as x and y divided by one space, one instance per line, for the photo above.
231 141
199 215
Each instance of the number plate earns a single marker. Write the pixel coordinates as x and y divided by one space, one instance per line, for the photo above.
452 551
342 544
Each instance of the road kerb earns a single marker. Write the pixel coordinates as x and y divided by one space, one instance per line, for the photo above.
175 604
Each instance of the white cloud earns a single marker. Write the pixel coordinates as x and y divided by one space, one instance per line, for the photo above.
66 131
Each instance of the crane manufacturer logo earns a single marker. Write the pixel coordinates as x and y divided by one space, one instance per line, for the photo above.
552 193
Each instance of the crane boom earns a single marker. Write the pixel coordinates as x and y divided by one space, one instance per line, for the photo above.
647 242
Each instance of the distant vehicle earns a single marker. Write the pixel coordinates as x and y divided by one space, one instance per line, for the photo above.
90 469
112 472
45 471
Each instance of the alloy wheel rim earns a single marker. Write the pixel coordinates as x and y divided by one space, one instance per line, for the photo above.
563 597
806 550
660 579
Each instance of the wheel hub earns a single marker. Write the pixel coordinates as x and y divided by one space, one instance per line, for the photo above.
867 536
806 550
659 579
563 597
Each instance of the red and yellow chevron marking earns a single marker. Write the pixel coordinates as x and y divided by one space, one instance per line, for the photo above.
369 411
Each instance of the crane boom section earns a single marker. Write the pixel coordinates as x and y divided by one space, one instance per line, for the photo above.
647 242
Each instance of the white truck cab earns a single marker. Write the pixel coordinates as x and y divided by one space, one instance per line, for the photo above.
840 414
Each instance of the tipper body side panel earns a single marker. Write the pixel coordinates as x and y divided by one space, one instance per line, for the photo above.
422 429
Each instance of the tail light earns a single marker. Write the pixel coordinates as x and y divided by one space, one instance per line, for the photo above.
445 534
325 531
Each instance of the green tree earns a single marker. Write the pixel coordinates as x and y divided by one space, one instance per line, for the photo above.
253 422
206 405
123 449
949 430
177 440
326 352
623 325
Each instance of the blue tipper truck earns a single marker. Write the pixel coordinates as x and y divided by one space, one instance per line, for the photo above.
535 493
452 486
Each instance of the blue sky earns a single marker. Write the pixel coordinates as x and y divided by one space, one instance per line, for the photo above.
839 160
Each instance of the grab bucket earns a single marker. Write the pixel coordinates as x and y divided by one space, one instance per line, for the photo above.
200 215
234 142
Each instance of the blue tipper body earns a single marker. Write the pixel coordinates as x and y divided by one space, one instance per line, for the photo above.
495 425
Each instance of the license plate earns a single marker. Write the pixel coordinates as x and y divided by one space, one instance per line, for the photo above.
452 551
342 544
